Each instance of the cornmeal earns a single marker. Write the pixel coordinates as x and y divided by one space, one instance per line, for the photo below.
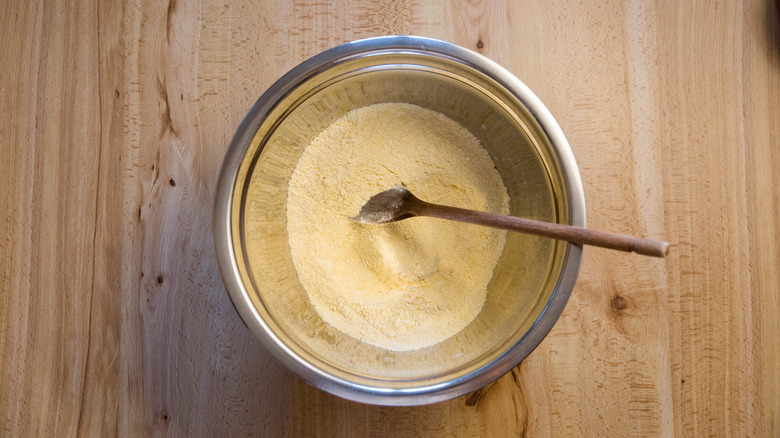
404 285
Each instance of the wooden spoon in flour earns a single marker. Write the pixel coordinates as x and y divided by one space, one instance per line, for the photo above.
399 203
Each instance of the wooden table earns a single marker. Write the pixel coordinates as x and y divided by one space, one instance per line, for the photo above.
114 118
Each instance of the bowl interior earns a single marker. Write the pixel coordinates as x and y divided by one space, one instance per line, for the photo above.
524 278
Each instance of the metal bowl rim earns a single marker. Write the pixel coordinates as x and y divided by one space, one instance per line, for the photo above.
236 289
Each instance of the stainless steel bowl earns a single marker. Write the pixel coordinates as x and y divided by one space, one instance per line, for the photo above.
531 283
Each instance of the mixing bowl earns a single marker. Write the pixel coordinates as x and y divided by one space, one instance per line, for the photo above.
534 276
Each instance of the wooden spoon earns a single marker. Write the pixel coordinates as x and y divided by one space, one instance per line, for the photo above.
399 203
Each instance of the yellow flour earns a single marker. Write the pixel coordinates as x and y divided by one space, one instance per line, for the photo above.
408 284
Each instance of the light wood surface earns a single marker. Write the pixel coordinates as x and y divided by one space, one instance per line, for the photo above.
114 118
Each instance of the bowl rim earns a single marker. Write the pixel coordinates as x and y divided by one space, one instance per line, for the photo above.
226 256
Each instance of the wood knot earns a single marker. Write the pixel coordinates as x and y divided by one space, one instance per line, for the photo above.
172 182
160 279
480 393
619 303
480 44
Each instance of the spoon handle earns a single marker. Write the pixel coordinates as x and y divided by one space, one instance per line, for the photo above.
568 233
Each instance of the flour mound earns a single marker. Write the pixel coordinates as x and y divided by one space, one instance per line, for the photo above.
404 285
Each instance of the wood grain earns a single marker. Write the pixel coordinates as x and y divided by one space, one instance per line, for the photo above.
114 117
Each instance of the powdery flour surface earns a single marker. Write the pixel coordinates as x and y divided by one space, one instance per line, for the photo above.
409 284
